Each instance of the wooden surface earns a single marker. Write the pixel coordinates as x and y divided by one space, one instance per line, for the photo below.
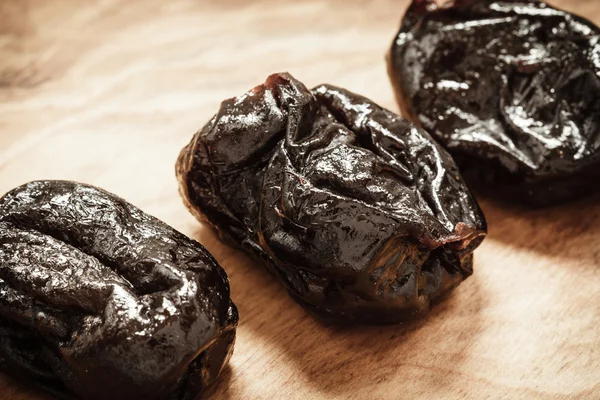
108 91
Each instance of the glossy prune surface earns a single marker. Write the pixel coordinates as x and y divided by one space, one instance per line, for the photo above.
99 300
360 215
511 88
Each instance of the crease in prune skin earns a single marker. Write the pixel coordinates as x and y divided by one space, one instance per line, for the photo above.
511 88
99 300
360 215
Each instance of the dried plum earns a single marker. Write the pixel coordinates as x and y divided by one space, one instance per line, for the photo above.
512 90
360 215
99 300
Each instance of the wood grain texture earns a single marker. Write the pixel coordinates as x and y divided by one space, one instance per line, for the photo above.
108 91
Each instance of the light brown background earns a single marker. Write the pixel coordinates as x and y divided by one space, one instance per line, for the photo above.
108 91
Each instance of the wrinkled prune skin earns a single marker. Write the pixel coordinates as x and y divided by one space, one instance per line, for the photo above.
360 215
99 300
510 88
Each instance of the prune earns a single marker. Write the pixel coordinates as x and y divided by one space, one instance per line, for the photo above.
511 88
99 300
360 215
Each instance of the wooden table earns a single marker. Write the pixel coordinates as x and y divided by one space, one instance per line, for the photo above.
108 91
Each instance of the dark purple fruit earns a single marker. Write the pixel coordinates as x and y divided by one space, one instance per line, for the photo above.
99 300
510 88
358 213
